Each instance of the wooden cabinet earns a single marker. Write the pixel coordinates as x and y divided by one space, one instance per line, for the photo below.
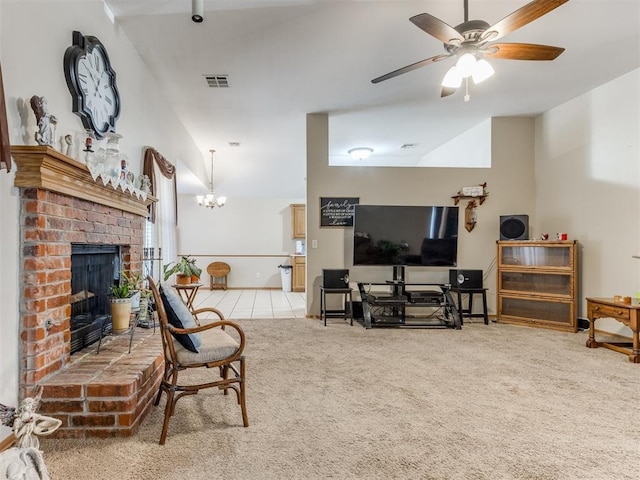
298 281
298 220
537 284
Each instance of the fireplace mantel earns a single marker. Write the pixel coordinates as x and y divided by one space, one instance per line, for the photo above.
43 167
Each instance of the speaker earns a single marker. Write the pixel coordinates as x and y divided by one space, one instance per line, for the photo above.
335 278
465 278
514 227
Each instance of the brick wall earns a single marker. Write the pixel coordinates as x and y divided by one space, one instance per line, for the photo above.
114 395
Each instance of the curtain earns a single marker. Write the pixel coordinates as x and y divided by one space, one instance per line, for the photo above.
163 215
153 158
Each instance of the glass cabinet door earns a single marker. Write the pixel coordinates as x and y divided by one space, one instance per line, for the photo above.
551 256
557 284
536 309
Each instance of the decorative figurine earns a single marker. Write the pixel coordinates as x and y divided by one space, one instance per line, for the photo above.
28 424
67 145
123 169
88 144
25 461
46 122
145 184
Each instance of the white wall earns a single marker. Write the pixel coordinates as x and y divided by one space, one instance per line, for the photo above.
33 38
587 184
510 183
252 235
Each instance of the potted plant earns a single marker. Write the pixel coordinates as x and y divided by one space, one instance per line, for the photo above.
185 269
136 287
120 306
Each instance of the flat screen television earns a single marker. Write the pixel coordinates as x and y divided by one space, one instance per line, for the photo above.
425 236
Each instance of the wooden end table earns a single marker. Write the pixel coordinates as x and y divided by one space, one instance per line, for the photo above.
622 312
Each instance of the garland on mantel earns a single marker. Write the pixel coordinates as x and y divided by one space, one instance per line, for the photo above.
116 182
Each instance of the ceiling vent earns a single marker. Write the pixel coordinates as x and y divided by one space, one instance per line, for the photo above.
217 81
234 144
408 146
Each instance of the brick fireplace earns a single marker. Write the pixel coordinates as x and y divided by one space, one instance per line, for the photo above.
106 394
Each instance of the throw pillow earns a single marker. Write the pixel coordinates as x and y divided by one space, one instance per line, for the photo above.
179 316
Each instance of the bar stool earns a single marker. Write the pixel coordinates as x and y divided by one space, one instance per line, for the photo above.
468 312
346 312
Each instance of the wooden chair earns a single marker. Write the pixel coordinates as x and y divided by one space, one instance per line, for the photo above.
218 349
218 270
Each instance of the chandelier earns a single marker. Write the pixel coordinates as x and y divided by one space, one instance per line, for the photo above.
210 200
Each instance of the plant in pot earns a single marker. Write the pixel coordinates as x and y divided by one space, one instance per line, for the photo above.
120 306
185 270
141 296
136 287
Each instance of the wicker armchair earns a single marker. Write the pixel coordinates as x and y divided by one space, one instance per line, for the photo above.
217 349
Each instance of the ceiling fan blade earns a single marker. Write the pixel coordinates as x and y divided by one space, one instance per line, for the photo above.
522 51
409 68
446 91
521 17
437 28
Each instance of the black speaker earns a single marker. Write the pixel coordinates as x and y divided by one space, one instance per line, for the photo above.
335 278
514 227
465 278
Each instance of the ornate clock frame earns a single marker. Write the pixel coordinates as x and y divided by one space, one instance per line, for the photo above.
81 47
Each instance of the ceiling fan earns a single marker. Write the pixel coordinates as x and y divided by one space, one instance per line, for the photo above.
470 43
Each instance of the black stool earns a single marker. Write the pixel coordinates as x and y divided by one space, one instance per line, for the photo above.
468 312
346 312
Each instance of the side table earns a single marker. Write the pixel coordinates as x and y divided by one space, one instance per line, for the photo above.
188 293
346 312
628 315
468 312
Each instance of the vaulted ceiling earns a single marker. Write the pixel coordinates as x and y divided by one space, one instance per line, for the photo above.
286 58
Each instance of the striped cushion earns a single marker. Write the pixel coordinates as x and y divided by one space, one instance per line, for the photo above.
216 345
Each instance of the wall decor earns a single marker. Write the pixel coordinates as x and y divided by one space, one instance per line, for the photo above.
337 211
46 133
92 84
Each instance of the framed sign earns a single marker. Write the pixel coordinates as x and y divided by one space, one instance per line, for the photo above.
337 211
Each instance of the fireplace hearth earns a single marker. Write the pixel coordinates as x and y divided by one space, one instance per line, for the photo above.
62 209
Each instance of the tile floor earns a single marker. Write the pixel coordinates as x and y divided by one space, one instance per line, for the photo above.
243 304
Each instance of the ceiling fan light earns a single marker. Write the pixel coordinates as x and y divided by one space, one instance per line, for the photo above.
466 63
452 79
482 71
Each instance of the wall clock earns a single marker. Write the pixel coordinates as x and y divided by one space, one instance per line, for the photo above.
92 84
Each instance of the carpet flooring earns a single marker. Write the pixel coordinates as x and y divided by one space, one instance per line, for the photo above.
341 402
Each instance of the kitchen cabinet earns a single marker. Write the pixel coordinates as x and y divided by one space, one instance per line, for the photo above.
298 220
298 281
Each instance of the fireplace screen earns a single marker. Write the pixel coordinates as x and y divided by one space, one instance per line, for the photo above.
94 268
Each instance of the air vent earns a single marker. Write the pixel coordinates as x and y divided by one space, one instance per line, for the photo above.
217 81
234 144
408 146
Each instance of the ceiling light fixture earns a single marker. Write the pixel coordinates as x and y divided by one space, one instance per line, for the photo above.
197 11
360 153
467 66
209 200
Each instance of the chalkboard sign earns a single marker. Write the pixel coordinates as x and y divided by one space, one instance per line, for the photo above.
337 212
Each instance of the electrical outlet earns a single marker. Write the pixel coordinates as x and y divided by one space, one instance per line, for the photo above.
314 243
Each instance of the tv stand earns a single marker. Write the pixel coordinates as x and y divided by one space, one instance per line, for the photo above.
387 306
